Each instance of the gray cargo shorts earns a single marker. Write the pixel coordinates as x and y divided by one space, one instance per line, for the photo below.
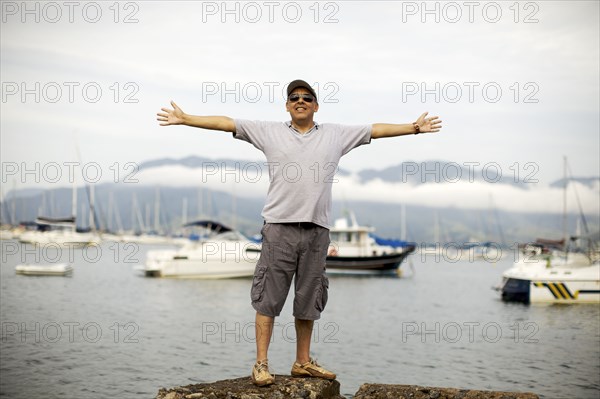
290 249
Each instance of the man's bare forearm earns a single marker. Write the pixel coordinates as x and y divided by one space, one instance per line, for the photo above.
381 130
223 123
423 124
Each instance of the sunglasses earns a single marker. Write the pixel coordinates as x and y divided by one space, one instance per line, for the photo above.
296 97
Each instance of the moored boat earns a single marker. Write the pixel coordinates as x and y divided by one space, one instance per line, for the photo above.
355 250
225 253
59 269
531 282
548 273
60 232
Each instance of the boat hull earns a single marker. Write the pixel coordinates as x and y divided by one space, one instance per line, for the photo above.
526 291
63 240
232 259
199 269
366 264
44 270
540 284
208 260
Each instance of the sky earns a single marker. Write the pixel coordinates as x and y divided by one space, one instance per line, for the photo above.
515 83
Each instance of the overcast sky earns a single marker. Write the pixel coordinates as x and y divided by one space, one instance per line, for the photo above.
515 83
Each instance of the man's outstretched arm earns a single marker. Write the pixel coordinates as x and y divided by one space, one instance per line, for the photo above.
426 125
176 116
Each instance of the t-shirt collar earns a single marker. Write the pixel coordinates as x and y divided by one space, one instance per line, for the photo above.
315 127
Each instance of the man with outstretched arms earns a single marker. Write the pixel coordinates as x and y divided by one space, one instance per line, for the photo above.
303 157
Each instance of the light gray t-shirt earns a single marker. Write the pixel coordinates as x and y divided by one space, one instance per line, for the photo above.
301 167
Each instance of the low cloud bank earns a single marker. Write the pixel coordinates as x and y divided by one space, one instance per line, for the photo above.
251 181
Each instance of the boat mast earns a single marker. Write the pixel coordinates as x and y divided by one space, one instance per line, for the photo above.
74 200
133 213
13 205
147 215
136 211
436 229
233 208
156 211
403 222
42 207
109 221
93 225
565 238
199 212
184 206
83 215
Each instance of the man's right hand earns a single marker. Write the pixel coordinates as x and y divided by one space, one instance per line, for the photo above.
170 116
176 116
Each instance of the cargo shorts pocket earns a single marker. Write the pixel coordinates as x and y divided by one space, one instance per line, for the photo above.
258 283
322 294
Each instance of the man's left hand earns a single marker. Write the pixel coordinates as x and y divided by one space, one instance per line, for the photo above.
430 124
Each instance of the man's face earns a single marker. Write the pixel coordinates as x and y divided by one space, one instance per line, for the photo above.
301 109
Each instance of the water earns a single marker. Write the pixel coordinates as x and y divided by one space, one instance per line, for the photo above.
108 331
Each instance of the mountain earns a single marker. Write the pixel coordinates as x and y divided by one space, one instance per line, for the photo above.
590 182
233 192
416 173
195 162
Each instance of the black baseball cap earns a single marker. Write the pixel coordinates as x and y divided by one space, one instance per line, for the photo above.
300 83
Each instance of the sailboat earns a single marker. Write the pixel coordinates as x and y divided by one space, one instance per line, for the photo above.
59 231
547 272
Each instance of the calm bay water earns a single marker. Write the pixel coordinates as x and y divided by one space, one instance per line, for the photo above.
108 331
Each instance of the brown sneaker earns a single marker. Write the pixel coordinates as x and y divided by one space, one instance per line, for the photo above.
311 369
261 375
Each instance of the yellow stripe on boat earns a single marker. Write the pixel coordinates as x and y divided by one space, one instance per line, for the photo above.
564 290
555 291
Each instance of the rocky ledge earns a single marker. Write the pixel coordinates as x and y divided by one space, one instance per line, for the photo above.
284 387
314 388
387 391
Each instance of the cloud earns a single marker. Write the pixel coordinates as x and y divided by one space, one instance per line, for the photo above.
369 50
251 181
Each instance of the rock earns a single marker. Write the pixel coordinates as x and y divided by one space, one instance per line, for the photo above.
242 388
389 391
315 388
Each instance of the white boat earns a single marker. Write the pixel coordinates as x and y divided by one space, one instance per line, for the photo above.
6 234
224 254
546 273
61 232
59 269
354 250
227 254
531 281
